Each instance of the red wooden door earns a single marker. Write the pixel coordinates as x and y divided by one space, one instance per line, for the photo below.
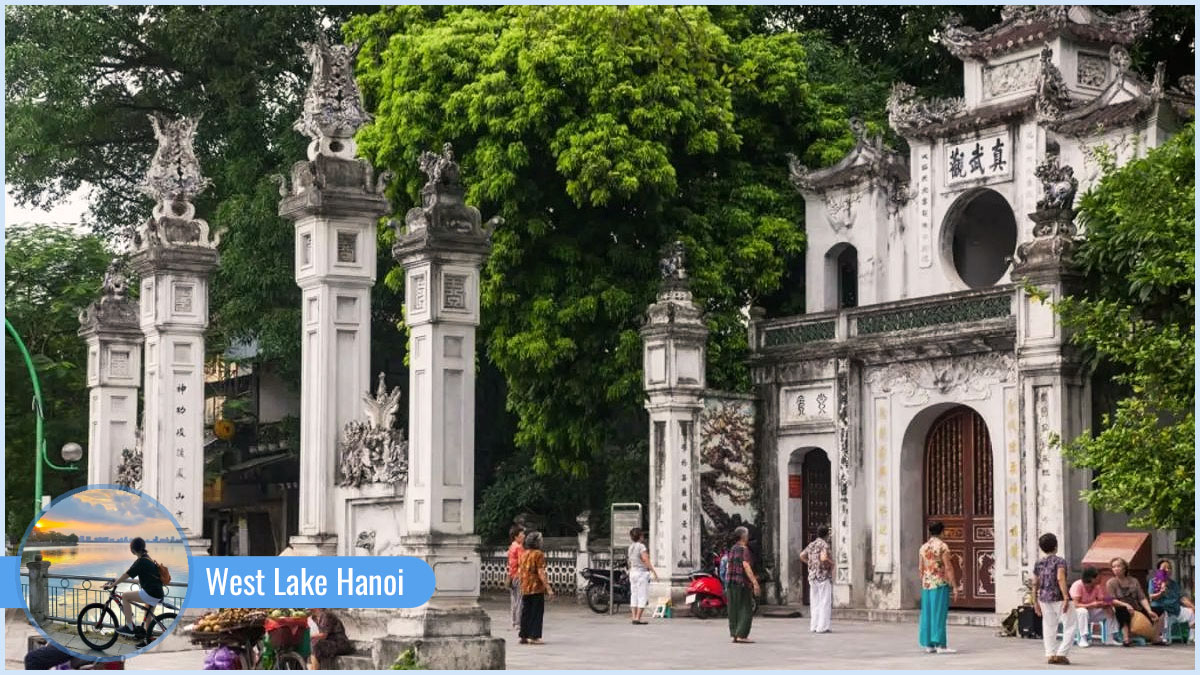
815 472
958 492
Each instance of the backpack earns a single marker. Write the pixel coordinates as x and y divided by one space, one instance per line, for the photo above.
163 573
723 569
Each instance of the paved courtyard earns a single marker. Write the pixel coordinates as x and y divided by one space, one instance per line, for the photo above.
578 639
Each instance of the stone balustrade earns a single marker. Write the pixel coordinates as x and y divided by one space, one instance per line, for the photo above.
989 308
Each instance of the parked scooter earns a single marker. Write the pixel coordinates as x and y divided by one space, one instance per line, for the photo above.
597 588
705 594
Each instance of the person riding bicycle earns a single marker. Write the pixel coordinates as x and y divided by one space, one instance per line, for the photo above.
151 592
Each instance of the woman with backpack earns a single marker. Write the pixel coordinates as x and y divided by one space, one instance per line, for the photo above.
149 575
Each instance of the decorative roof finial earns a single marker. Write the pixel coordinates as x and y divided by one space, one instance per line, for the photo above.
441 170
671 265
333 109
115 284
1059 185
443 201
174 178
1119 56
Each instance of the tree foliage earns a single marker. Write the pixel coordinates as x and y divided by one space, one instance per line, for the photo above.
600 134
80 83
1137 316
50 275
897 43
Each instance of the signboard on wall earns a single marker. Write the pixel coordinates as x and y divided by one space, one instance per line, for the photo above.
978 158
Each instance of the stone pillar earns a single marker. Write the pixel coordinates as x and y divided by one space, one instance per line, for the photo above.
39 588
110 328
674 341
335 203
442 249
174 256
1051 376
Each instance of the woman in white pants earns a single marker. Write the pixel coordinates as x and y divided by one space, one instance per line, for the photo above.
640 571
820 585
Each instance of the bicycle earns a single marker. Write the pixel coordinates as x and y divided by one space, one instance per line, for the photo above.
97 623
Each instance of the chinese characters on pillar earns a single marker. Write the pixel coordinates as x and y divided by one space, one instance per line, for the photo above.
978 158
180 448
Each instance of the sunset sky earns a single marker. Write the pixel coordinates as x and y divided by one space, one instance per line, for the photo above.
107 513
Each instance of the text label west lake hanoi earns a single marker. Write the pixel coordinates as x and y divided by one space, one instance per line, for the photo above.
360 582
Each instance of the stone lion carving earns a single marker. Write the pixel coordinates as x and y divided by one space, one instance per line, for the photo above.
1059 185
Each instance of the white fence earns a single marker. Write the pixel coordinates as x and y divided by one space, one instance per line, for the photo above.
563 566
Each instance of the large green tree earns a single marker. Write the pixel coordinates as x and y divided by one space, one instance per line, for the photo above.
601 134
1136 318
80 83
50 274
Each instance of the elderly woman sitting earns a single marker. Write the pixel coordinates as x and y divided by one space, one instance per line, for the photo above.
1168 600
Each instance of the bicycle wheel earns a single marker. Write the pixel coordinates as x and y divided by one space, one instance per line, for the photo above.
290 661
97 626
159 625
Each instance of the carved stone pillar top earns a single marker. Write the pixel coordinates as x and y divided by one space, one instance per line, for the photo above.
444 223
114 313
1049 252
333 109
173 239
333 187
173 180
675 311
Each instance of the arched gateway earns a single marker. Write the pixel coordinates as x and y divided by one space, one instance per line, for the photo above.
958 491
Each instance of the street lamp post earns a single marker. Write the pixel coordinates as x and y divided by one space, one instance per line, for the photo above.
70 453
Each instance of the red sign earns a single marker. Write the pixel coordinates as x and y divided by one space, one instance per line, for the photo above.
795 486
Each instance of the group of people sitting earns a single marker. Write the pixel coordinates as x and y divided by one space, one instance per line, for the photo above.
1122 605
1115 602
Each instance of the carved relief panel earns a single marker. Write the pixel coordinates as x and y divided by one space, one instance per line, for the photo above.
807 405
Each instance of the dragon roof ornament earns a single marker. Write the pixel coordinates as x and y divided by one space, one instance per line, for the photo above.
908 112
1024 25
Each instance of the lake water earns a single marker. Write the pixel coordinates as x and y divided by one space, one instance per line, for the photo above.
104 561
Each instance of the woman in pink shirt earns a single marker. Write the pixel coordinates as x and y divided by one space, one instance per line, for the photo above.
517 533
1090 596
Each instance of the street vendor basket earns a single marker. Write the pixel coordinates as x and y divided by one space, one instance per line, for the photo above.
287 632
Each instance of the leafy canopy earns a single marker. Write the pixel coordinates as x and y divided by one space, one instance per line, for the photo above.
1137 317
50 275
600 134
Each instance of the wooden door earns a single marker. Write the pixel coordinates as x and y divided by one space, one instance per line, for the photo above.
958 492
815 472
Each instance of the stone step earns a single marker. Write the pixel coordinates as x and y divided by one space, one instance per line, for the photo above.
353 662
982 619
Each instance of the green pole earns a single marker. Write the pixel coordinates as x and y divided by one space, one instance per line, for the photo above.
40 440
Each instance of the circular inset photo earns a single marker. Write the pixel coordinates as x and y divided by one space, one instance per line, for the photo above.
104 573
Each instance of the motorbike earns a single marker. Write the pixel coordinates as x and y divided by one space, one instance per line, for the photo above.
597 591
705 595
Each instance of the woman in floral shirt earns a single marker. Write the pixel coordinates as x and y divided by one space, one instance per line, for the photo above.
937 586
820 586
534 589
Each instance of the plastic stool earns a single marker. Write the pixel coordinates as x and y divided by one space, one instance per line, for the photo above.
662 610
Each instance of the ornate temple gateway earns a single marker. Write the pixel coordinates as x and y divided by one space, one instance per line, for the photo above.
925 383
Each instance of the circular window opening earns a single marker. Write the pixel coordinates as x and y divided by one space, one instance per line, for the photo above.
981 235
